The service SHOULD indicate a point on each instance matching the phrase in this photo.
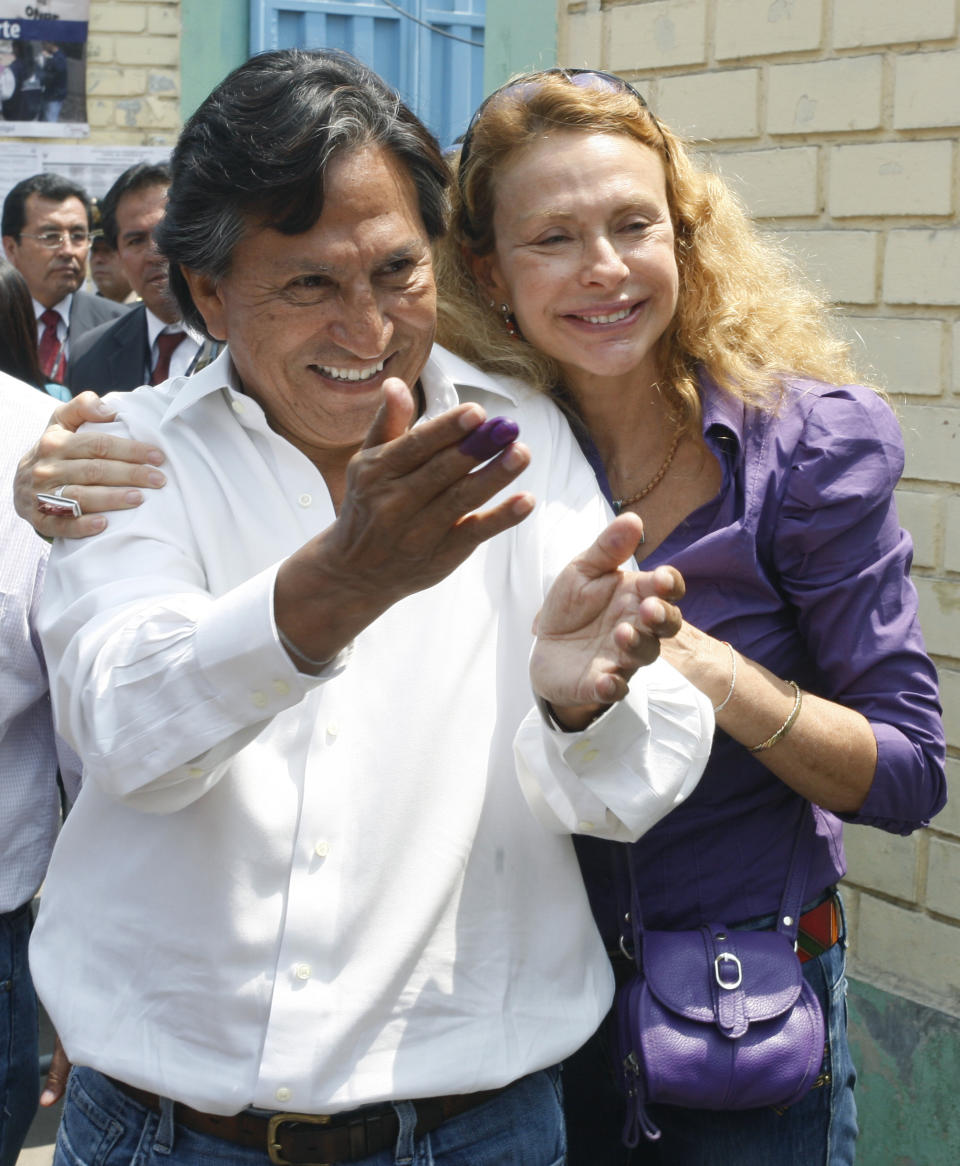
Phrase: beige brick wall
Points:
(133, 73)
(837, 123)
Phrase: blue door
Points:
(429, 50)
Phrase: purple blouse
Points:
(800, 562)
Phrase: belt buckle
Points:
(279, 1119)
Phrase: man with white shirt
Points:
(46, 236)
(312, 917)
(29, 797)
(149, 343)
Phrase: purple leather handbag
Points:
(718, 1018)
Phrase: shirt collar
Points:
(63, 307)
(721, 410)
(442, 377)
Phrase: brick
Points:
(163, 84)
(581, 39)
(147, 113)
(948, 820)
(774, 183)
(920, 516)
(922, 267)
(112, 81)
(906, 354)
(712, 105)
(891, 178)
(943, 877)
(147, 50)
(851, 909)
(650, 36)
(843, 262)
(100, 49)
(118, 17)
(751, 28)
(909, 951)
(951, 552)
(99, 113)
(926, 93)
(956, 357)
(882, 862)
(931, 436)
(824, 96)
(950, 699)
(164, 21)
(940, 617)
(858, 23)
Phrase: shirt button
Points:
(586, 827)
(237, 406)
(281, 688)
(196, 771)
(302, 971)
(305, 500)
(259, 699)
(591, 755)
(283, 1094)
(322, 848)
(332, 729)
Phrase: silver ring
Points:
(57, 505)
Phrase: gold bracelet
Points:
(733, 678)
(787, 724)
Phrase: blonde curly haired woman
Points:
(590, 255)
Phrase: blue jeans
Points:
(19, 1056)
(820, 1130)
(522, 1126)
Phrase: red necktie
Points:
(50, 350)
(167, 344)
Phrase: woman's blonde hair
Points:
(744, 311)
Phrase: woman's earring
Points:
(509, 320)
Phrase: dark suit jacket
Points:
(115, 357)
(87, 311)
(112, 358)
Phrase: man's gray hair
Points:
(256, 151)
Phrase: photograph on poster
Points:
(43, 67)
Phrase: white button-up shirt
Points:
(310, 893)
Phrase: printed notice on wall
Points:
(94, 167)
(43, 68)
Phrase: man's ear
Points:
(10, 248)
(206, 295)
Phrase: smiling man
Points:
(46, 236)
(311, 917)
(149, 343)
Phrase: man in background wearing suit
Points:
(46, 236)
(150, 343)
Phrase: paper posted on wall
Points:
(43, 68)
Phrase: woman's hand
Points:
(829, 754)
(102, 472)
(599, 624)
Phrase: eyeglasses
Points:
(526, 86)
(53, 240)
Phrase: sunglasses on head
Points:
(525, 87)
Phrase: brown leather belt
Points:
(300, 1139)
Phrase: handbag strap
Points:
(791, 902)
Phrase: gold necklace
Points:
(620, 504)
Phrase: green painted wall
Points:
(520, 35)
(215, 39)
(908, 1066)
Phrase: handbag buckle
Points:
(726, 984)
